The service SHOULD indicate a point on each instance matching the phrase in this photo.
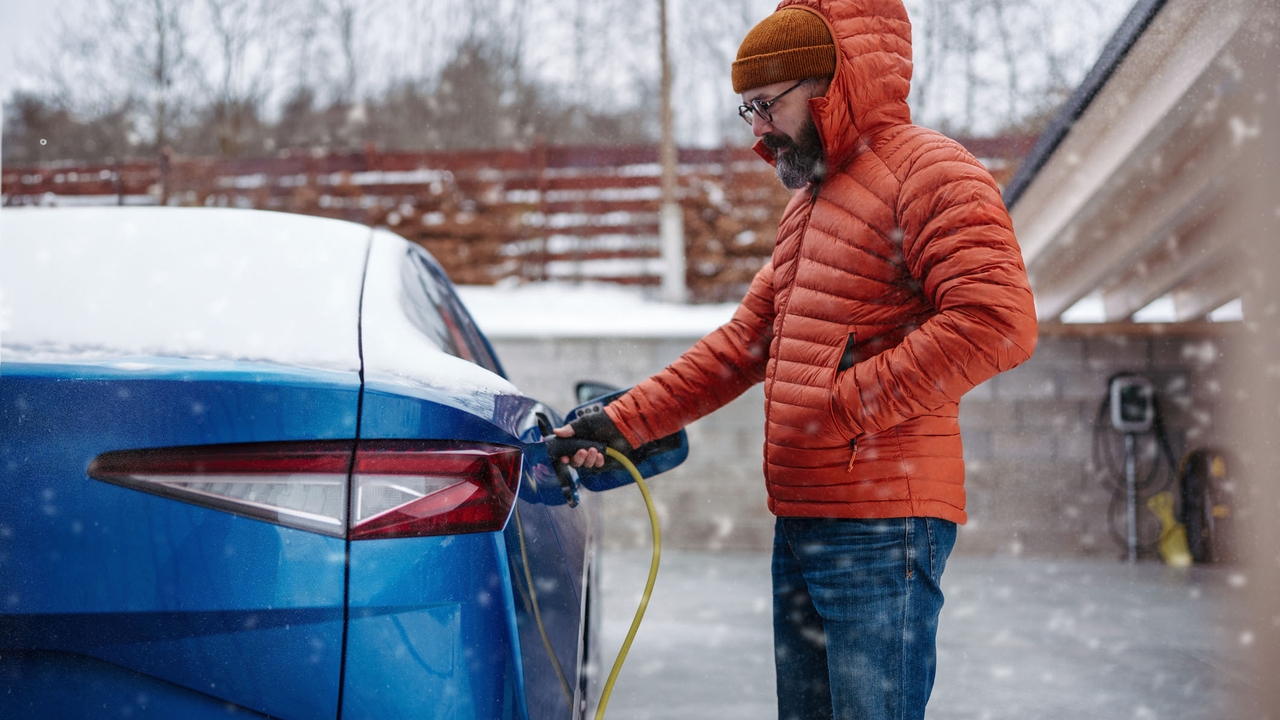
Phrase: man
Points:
(895, 287)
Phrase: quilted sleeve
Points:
(958, 243)
(719, 368)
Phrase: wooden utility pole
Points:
(670, 217)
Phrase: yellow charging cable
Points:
(648, 588)
(644, 599)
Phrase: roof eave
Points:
(1113, 54)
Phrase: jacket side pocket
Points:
(847, 360)
(846, 357)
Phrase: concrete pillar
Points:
(1255, 385)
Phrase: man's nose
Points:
(759, 126)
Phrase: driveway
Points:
(1020, 639)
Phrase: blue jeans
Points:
(855, 615)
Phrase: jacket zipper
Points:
(853, 454)
(804, 230)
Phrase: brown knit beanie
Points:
(791, 44)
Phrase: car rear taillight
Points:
(402, 488)
(302, 485)
(406, 489)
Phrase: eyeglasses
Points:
(762, 106)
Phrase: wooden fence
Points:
(570, 213)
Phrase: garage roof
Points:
(1125, 207)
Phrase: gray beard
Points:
(798, 162)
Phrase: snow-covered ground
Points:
(536, 310)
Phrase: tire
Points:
(1197, 506)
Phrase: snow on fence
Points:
(561, 213)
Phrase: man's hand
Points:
(596, 427)
(587, 457)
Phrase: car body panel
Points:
(143, 328)
(548, 593)
(479, 583)
(428, 633)
(37, 683)
(173, 590)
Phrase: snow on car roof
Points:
(562, 310)
(99, 283)
(396, 351)
(92, 283)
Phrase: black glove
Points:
(597, 427)
(589, 430)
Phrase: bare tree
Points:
(704, 51)
(965, 44)
(344, 16)
(109, 54)
(984, 65)
(929, 47)
(237, 76)
(305, 42)
(161, 59)
(246, 37)
(1010, 56)
(38, 129)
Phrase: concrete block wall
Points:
(716, 500)
(1032, 485)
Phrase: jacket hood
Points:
(873, 73)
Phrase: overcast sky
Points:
(22, 22)
(26, 27)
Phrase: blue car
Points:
(264, 465)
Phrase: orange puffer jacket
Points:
(892, 291)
